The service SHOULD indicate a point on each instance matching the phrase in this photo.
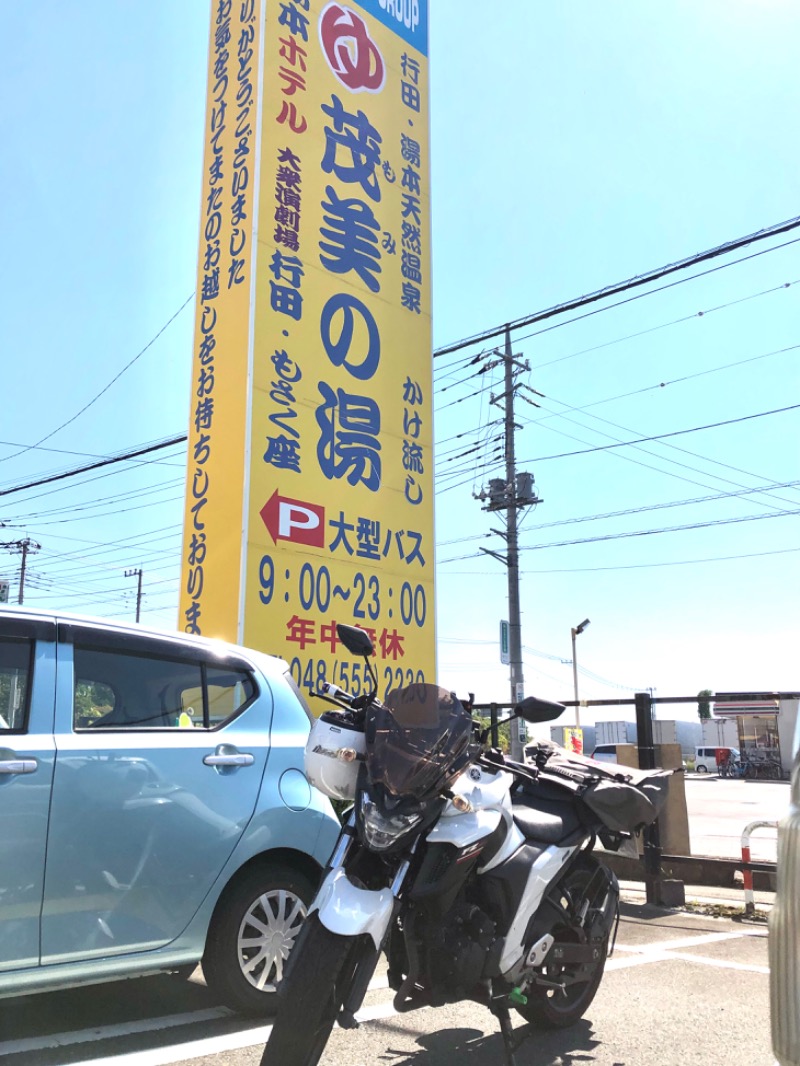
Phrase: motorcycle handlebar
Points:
(336, 693)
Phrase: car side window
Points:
(229, 691)
(16, 657)
(116, 689)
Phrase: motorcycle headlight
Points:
(381, 830)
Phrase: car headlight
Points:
(381, 830)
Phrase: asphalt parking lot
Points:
(684, 985)
(719, 809)
(680, 987)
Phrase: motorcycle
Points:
(475, 875)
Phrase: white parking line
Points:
(692, 941)
(637, 955)
(724, 964)
(669, 950)
(109, 1032)
(164, 1055)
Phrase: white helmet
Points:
(332, 756)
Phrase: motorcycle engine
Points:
(456, 951)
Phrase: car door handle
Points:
(18, 766)
(239, 758)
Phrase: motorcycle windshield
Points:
(417, 740)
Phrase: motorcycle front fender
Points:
(350, 911)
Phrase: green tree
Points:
(93, 699)
(704, 704)
(503, 732)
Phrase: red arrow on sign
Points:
(294, 520)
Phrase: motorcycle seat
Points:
(545, 821)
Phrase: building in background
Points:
(765, 724)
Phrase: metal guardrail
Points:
(748, 865)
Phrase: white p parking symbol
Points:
(294, 520)
(293, 516)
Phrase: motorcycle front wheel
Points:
(310, 995)
(550, 1007)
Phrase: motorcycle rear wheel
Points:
(549, 1007)
(309, 996)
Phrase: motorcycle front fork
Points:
(364, 966)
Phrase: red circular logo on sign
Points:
(351, 53)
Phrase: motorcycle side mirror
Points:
(356, 640)
(534, 710)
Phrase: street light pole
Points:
(575, 631)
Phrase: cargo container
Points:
(615, 733)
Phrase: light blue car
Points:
(153, 808)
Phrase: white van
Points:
(705, 759)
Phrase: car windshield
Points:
(417, 740)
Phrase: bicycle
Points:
(731, 767)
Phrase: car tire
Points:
(254, 928)
(701, 769)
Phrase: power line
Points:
(627, 566)
(455, 472)
(683, 378)
(661, 457)
(638, 533)
(618, 454)
(665, 529)
(116, 498)
(624, 286)
(662, 325)
(122, 457)
(105, 389)
(629, 511)
(664, 436)
(654, 292)
(102, 514)
(145, 552)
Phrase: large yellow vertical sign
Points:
(337, 506)
(220, 394)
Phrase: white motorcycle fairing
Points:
(489, 796)
(542, 874)
(350, 911)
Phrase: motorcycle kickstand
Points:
(510, 1042)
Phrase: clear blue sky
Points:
(573, 145)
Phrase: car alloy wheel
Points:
(254, 928)
(266, 936)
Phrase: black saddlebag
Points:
(623, 799)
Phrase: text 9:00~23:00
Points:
(315, 590)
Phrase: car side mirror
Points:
(356, 640)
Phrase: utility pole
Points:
(21, 547)
(138, 574)
(514, 622)
(512, 495)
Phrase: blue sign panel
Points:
(408, 18)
